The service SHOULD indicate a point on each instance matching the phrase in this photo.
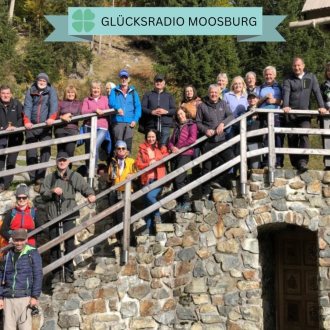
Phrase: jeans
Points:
(164, 135)
(101, 133)
(151, 198)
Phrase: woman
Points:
(97, 103)
(270, 97)
(68, 108)
(149, 153)
(222, 81)
(108, 87)
(23, 215)
(184, 134)
(190, 100)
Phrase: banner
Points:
(247, 23)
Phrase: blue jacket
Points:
(130, 104)
(23, 279)
(40, 105)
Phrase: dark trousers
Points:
(55, 252)
(68, 147)
(181, 180)
(8, 162)
(214, 162)
(122, 131)
(37, 135)
(298, 140)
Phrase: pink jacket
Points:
(90, 106)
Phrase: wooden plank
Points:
(127, 223)
(92, 150)
(271, 147)
(243, 151)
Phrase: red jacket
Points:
(17, 218)
(143, 161)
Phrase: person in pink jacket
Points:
(184, 134)
(96, 103)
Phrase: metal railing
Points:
(130, 197)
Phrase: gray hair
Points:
(213, 86)
(222, 75)
(271, 68)
(251, 73)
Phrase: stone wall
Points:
(201, 270)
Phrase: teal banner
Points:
(247, 23)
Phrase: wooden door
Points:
(297, 288)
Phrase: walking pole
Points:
(61, 232)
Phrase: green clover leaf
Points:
(84, 20)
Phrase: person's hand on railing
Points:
(99, 112)
(175, 149)
(220, 128)
(286, 109)
(210, 132)
(28, 125)
(91, 199)
(120, 112)
(50, 121)
(66, 117)
(132, 124)
(323, 111)
(10, 128)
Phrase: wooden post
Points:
(271, 147)
(92, 152)
(243, 149)
(127, 222)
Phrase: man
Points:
(125, 100)
(11, 117)
(297, 89)
(21, 282)
(158, 109)
(212, 116)
(59, 190)
(40, 106)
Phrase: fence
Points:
(130, 197)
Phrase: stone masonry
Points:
(202, 269)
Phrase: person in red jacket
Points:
(23, 215)
(149, 153)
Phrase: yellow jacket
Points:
(115, 177)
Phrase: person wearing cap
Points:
(59, 191)
(22, 215)
(40, 106)
(121, 167)
(96, 103)
(270, 97)
(158, 110)
(126, 102)
(21, 282)
(68, 108)
(11, 117)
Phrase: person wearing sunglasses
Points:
(22, 215)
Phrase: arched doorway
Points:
(289, 261)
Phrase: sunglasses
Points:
(62, 160)
(121, 148)
(22, 198)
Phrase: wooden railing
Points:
(129, 197)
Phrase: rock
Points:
(240, 213)
(228, 246)
(279, 204)
(69, 319)
(204, 253)
(165, 227)
(130, 268)
(314, 188)
(143, 323)
(182, 268)
(166, 318)
(221, 196)
(251, 245)
(160, 294)
(199, 269)
(219, 229)
(92, 283)
(277, 193)
(297, 185)
(139, 291)
(222, 208)
(94, 306)
(209, 314)
(128, 309)
(201, 299)
(185, 313)
(190, 238)
(149, 307)
(259, 195)
(187, 254)
(166, 259)
(174, 241)
(231, 298)
(143, 273)
(196, 286)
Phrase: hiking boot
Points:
(69, 278)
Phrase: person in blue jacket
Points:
(21, 282)
(40, 106)
(126, 102)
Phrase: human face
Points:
(298, 67)
(189, 93)
(181, 116)
(124, 81)
(214, 94)
(42, 83)
(252, 101)
(151, 138)
(62, 164)
(22, 201)
(250, 80)
(238, 86)
(269, 76)
(19, 244)
(159, 85)
(70, 95)
(121, 151)
(96, 90)
(108, 89)
(5, 95)
(222, 82)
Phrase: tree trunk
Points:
(11, 11)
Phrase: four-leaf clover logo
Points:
(84, 20)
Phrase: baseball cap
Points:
(62, 155)
(123, 73)
(20, 233)
(253, 94)
(43, 75)
(121, 144)
(159, 76)
(22, 189)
